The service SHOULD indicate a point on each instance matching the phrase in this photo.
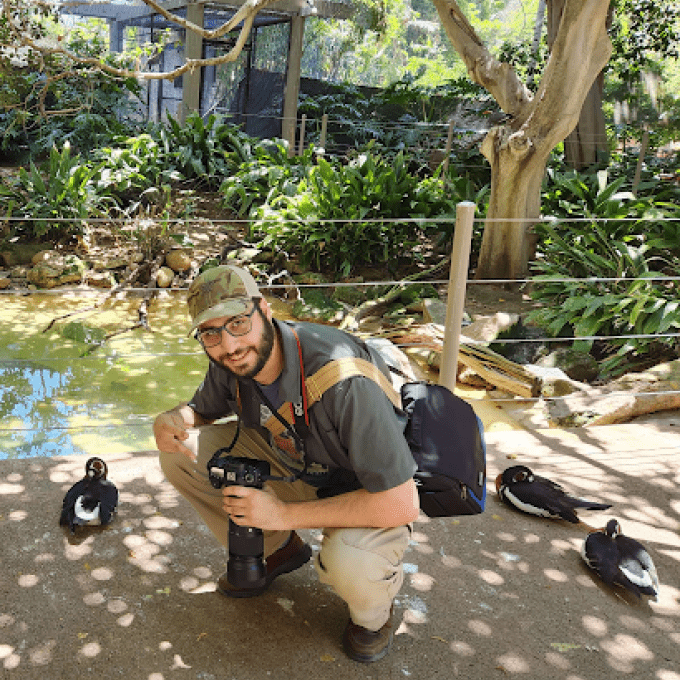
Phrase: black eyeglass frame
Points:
(217, 330)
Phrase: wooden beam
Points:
(290, 97)
(193, 49)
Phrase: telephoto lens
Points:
(246, 567)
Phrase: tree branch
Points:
(245, 14)
(498, 78)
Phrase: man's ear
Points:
(266, 308)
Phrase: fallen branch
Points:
(379, 305)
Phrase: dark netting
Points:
(249, 91)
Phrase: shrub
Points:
(628, 238)
(59, 197)
(345, 215)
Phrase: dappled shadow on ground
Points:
(498, 595)
(506, 593)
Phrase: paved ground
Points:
(500, 595)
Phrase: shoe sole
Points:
(368, 658)
(300, 560)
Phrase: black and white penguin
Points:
(520, 487)
(91, 501)
(620, 560)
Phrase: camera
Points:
(246, 567)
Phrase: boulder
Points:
(178, 260)
(44, 275)
(487, 328)
(164, 277)
(576, 364)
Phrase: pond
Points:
(61, 392)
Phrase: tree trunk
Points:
(587, 143)
(517, 169)
(518, 151)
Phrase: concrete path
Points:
(501, 595)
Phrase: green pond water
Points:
(61, 393)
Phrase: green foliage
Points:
(59, 198)
(643, 33)
(345, 215)
(50, 101)
(134, 166)
(201, 148)
(627, 238)
(265, 172)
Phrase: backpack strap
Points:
(348, 367)
(327, 376)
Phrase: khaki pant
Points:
(363, 566)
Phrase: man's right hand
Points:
(170, 430)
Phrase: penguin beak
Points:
(499, 481)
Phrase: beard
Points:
(262, 352)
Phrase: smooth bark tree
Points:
(519, 149)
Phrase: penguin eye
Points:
(520, 476)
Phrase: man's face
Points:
(246, 355)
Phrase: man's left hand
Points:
(251, 507)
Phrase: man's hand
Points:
(251, 507)
(170, 430)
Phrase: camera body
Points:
(246, 567)
(236, 471)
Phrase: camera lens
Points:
(246, 567)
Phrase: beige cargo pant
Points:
(363, 566)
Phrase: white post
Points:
(303, 123)
(324, 131)
(447, 150)
(455, 304)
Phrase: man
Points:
(355, 471)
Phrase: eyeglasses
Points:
(236, 327)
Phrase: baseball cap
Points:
(220, 291)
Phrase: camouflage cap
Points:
(221, 291)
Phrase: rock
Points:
(434, 311)
(45, 256)
(487, 328)
(576, 364)
(7, 259)
(22, 253)
(178, 260)
(243, 254)
(164, 277)
(100, 279)
(19, 272)
(5, 282)
(44, 275)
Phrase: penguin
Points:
(620, 560)
(91, 501)
(520, 487)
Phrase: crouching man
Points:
(353, 468)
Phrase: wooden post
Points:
(447, 151)
(193, 49)
(292, 90)
(638, 169)
(455, 304)
(303, 123)
(324, 131)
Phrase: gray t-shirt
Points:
(356, 435)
